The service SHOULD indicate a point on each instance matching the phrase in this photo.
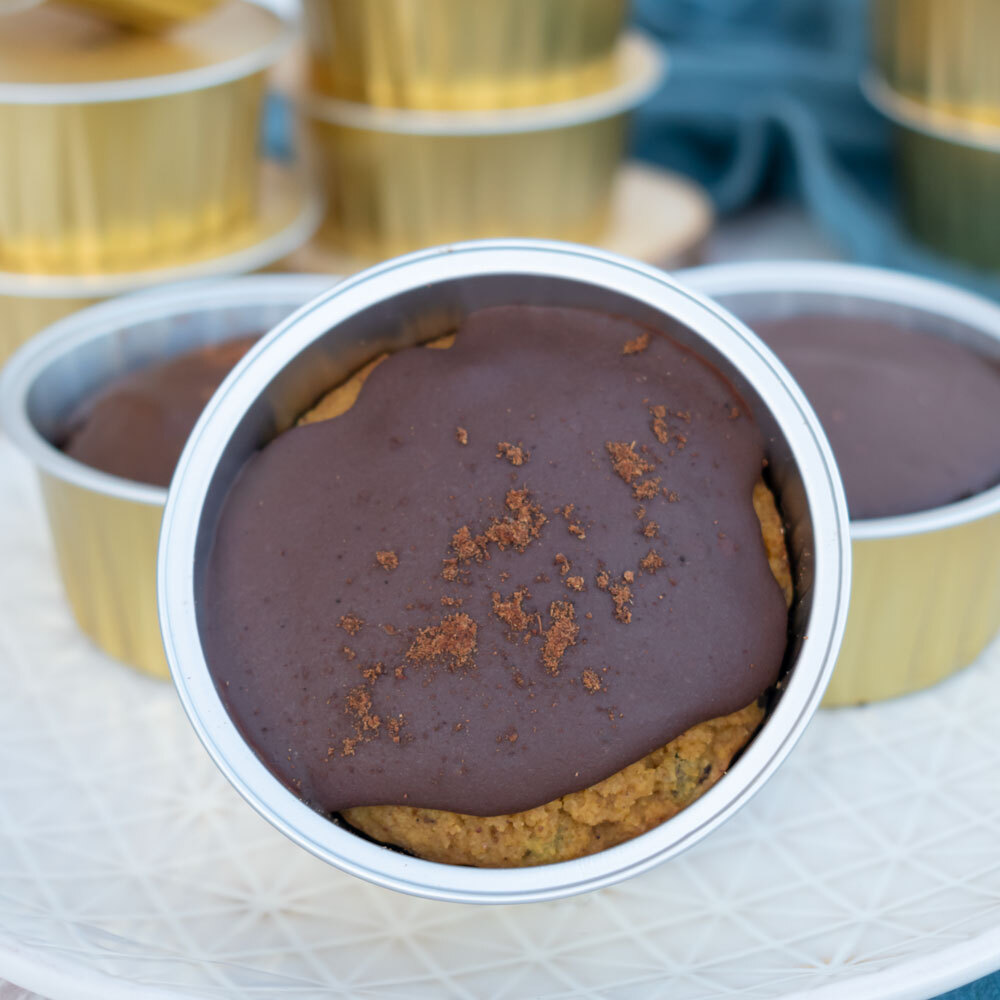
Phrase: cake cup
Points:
(148, 15)
(926, 586)
(105, 528)
(450, 55)
(121, 173)
(949, 175)
(399, 180)
(286, 217)
(414, 299)
(941, 54)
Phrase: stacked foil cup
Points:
(132, 156)
(432, 121)
(937, 78)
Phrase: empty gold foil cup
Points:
(396, 181)
(457, 55)
(124, 150)
(286, 216)
(942, 53)
(948, 171)
(147, 15)
(105, 528)
(925, 590)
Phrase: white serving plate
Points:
(869, 867)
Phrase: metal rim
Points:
(140, 88)
(30, 362)
(928, 120)
(275, 246)
(345, 850)
(876, 285)
(644, 68)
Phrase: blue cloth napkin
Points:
(762, 98)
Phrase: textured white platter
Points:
(869, 867)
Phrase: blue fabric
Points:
(762, 98)
(987, 988)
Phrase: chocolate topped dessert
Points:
(137, 426)
(911, 417)
(508, 571)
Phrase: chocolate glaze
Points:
(912, 418)
(137, 426)
(497, 730)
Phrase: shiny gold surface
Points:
(389, 193)
(922, 607)
(52, 44)
(941, 52)
(462, 54)
(106, 549)
(950, 195)
(147, 15)
(122, 185)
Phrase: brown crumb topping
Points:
(461, 435)
(651, 529)
(452, 643)
(651, 562)
(563, 563)
(621, 594)
(671, 495)
(516, 454)
(636, 344)
(591, 681)
(515, 531)
(348, 652)
(646, 489)
(575, 582)
(659, 423)
(510, 611)
(625, 461)
(603, 580)
(387, 559)
(351, 623)
(451, 602)
(560, 635)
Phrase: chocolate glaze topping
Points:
(511, 569)
(912, 418)
(137, 426)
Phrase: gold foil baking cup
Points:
(925, 591)
(147, 15)
(286, 216)
(657, 216)
(949, 176)
(399, 180)
(114, 174)
(453, 55)
(942, 53)
(105, 529)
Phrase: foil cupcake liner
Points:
(426, 293)
(147, 15)
(120, 174)
(399, 180)
(925, 596)
(105, 528)
(286, 216)
(452, 55)
(941, 54)
(949, 176)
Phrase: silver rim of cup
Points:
(31, 361)
(516, 260)
(102, 91)
(875, 286)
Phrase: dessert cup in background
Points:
(397, 180)
(148, 15)
(129, 150)
(285, 218)
(450, 55)
(926, 586)
(412, 300)
(105, 528)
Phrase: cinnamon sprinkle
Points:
(560, 635)
(659, 423)
(625, 461)
(453, 643)
(651, 562)
(637, 344)
(351, 623)
(461, 435)
(516, 454)
(387, 559)
(575, 582)
(563, 563)
(591, 681)
(646, 489)
(651, 529)
(510, 612)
